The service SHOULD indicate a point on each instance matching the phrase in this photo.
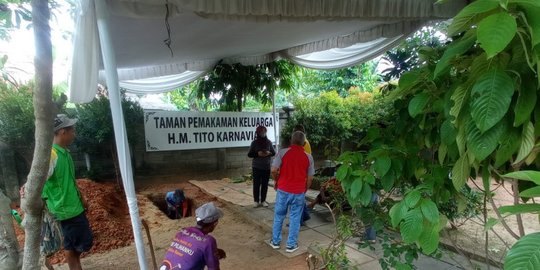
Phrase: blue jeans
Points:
(296, 203)
(370, 231)
(305, 214)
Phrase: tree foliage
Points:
(363, 78)
(231, 85)
(95, 127)
(412, 52)
(12, 14)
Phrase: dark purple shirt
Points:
(191, 249)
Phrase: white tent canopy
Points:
(321, 34)
(122, 43)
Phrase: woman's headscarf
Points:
(261, 140)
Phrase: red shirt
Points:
(295, 165)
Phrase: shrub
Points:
(331, 119)
(16, 115)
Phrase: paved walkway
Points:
(319, 230)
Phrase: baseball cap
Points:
(62, 121)
(208, 213)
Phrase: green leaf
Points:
(464, 19)
(524, 254)
(534, 3)
(442, 222)
(491, 97)
(370, 179)
(429, 210)
(387, 181)
(461, 141)
(412, 226)
(417, 104)
(461, 202)
(429, 239)
(408, 80)
(530, 193)
(482, 145)
(479, 66)
(455, 49)
(534, 22)
(527, 142)
(495, 32)
(382, 165)
(397, 213)
(458, 97)
(402, 266)
(342, 172)
(407, 83)
(356, 188)
(412, 198)
(490, 223)
(448, 133)
(365, 196)
(520, 209)
(531, 157)
(509, 145)
(441, 153)
(525, 103)
(460, 172)
(533, 176)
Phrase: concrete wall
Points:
(203, 160)
(175, 162)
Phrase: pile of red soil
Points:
(108, 215)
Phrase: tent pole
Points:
(276, 136)
(122, 146)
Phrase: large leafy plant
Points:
(525, 253)
(471, 110)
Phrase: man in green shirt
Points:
(62, 196)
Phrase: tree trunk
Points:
(239, 101)
(515, 189)
(43, 112)
(9, 247)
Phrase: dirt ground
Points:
(243, 241)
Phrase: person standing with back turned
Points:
(293, 171)
(261, 150)
(62, 196)
(307, 146)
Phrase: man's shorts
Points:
(77, 234)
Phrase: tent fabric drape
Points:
(204, 32)
(85, 58)
(160, 84)
(329, 59)
(345, 57)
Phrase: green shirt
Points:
(60, 190)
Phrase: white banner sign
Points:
(168, 130)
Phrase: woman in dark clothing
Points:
(261, 150)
